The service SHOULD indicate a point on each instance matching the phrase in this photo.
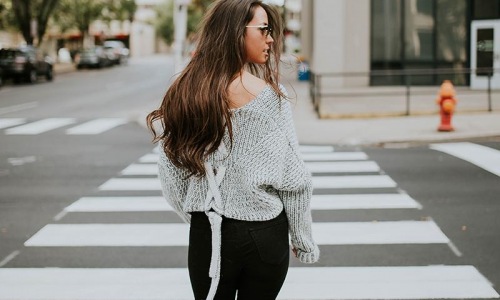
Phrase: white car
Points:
(119, 51)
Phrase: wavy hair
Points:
(195, 111)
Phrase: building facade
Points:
(374, 42)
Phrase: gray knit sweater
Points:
(254, 180)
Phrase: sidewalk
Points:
(363, 131)
(61, 68)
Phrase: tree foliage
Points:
(165, 23)
(7, 17)
(34, 15)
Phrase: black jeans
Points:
(255, 257)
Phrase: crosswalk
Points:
(70, 126)
(343, 181)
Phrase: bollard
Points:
(447, 102)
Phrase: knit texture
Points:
(263, 174)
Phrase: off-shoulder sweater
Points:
(254, 180)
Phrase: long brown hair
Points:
(195, 111)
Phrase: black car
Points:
(25, 63)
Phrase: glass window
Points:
(486, 9)
(386, 49)
(452, 39)
(419, 30)
(484, 50)
(419, 34)
(386, 30)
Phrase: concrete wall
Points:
(336, 39)
(142, 39)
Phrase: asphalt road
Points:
(449, 218)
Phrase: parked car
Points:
(119, 52)
(26, 63)
(95, 57)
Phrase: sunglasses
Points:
(265, 29)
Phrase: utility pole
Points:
(180, 30)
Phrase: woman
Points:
(230, 163)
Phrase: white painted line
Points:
(9, 122)
(131, 184)
(312, 148)
(119, 204)
(319, 202)
(140, 169)
(40, 126)
(174, 234)
(343, 167)
(413, 282)
(334, 156)
(149, 158)
(95, 284)
(318, 283)
(378, 233)
(307, 156)
(319, 182)
(363, 201)
(8, 258)
(361, 181)
(60, 215)
(484, 157)
(454, 249)
(110, 235)
(96, 126)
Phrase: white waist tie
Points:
(213, 195)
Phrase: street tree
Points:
(165, 26)
(80, 14)
(32, 17)
(7, 17)
(165, 22)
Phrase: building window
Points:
(486, 9)
(417, 34)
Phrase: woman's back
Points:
(244, 89)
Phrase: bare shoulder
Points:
(245, 88)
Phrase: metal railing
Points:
(411, 89)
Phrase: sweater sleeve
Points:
(174, 185)
(295, 191)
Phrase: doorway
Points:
(485, 54)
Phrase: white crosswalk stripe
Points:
(316, 148)
(96, 126)
(363, 201)
(314, 167)
(19, 126)
(380, 282)
(149, 158)
(306, 156)
(321, 182)
(40, 126)
(9, 122)
(321, 283)
(484, 157)
(153, 235)
(342, 167)
(119, 204)
(333, 156)
(318, 202)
